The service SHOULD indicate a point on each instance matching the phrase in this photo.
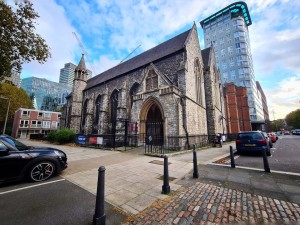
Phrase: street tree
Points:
(17, 97)
(293, 119)
(19, 43)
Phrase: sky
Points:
(110, 30)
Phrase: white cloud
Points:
(55, 28)
(284, 98)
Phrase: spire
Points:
(81, 65)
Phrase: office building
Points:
(66, 75)
(48, 94)
(227, 32)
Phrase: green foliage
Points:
(62, 136)
(52, 136)
(277, 125)
(18, 41)
(17, 98)
(293, 119)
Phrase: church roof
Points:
(206, 56)
(166, 48)
(81, 65)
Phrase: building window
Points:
(54, 125)
(47, 115)
(84, 112)
(24, 123)
(46, 124)
(132, 93)
(97, 114)
(114, 99)
(25, 113)
(40, 115)
(33, 124)
(151, 81)
(198, 77)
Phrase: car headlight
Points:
(58, 153)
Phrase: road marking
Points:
(251, 168)
(19, 189)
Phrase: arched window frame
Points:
(132, 92)
(151, 80)
(199, 80)
(114, 101)
(84, 112)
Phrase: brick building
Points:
(31, 121)
(237, 108)
(267, 126)
(161, 90)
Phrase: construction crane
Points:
(130, 54)
(84, 51)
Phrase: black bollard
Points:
(99, 216)
(195, 174)
(232, 157)
(266, 163)
(166, 186)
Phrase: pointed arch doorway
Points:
(152, 122)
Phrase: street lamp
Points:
(4, 127)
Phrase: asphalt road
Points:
(56, 201)
(285, 156)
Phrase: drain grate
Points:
(158, 162)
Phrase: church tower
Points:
(79, 84)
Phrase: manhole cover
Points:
(158, 162)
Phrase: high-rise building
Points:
(67, 74)
(227, 31)
(48, 94)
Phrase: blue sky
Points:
(111, 29)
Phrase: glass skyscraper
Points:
(48, 94)
(227, 32)
(67, 73)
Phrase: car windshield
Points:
(250, 136)
(20, 146)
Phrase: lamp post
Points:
(4, 127)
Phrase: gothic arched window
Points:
(132, 92)
(114, 99)
(198, 77)
(84, 112)
(97, 114)
(151, 81)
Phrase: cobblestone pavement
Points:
(210, 204)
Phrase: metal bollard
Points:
(266, 163)
(99, 216)
(166, 186)
(195, 174)
(232, 157)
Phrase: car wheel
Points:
(41, 171)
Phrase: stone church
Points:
(171, 90)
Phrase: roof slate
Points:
(166, 48)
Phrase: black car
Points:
(19, 161)
(252, 141)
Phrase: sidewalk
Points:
(225, 195)
(221, 194)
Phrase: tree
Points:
(293, 119)
(18, 99)
(277, 125)
(19, 43)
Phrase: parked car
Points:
(19, 161)
(252, 141)
(268, 139)
(272, 137)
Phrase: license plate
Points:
(249, 144)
